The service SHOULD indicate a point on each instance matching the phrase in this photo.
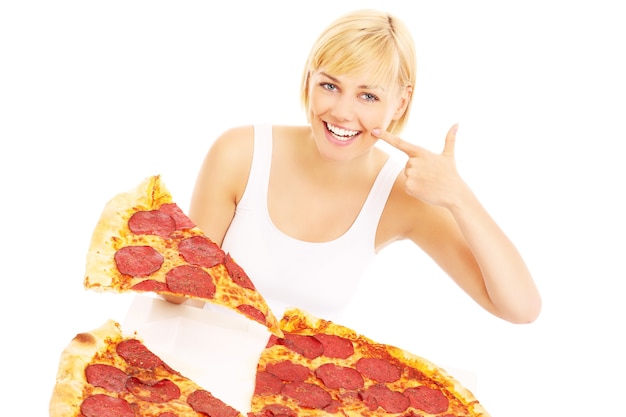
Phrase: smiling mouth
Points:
(341, 134)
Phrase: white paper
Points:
(216, 348)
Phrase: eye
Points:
(369, 97)
(328, 86)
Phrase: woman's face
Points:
(343, 110)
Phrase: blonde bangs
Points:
(376, 56)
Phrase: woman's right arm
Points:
(219, 186)
(221, 182)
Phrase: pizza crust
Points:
(100, 269)
(442, 377)
(67, 394)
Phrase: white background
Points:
(96, 96)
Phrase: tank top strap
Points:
(374, 205)
(258, 179)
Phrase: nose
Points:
(343, 108)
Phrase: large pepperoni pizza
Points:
(104, 373)
(320, 368)
(144, 242)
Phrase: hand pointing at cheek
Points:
(430, 177)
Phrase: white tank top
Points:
(320, 278)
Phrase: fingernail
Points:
(376, 132)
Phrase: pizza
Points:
(104, 373)
(319, 368)
(144, 242)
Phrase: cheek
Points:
(388, 116)
(375, 119)
(318, 103)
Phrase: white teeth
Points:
(343, 134)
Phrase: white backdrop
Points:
(96, 96)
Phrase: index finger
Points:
(397, 142)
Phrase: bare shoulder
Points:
(290, 132)
(230, 155)
(232, 142)
(229, 158)
(232, 150)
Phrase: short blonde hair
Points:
(356, 41)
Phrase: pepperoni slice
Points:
(159, 392)
(101, 405)
(335, 406)
(136, 354)
(381, 396)
(276, 410)
(378, 369)
(252, 312)
(190, 280)
(267, 384)
(180, 218)
(430, 400)
(138, 261)
(150, 285)
(336, 377)
(106, 376)
(237, 274)
(201, 251)
(307, 346)
(335, 346)
(288, 371)
(203, 402)
(307, 395)
(151, 222)
(273, 340)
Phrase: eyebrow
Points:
(366, 87)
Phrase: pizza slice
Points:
(319, 368)
(144, 242)
(104, 373)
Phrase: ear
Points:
(403, 103)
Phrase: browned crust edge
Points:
(149, 194)
(67, 393)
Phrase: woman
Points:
(304, 208)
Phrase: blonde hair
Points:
(355, 42)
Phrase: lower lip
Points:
(332, 139)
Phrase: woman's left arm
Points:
(507, 280)
(463, 238)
